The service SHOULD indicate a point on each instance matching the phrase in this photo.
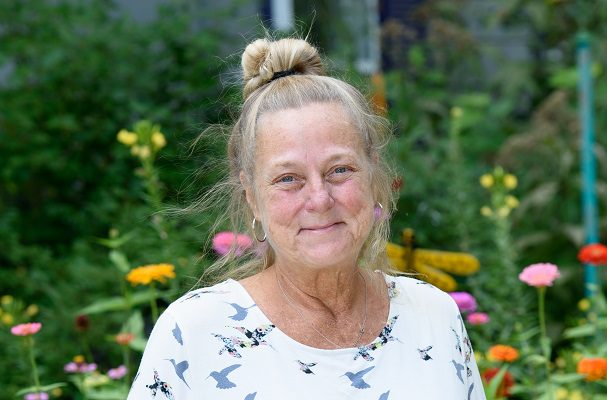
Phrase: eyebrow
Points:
(337, 156)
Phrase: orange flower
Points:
(595, 254)
(146, 274)
(124, 338)
(593, 368)
(501, 352)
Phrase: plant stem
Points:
(127, 363)
(30, 347)
(153, 304)
(544, 337)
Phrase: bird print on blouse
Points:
(384, 337)
(250, 396)
(470, 389)
(423, 353)
(392, 290)
(458, 370)
(305, 367)
(384, 396)
(222, 377)
(241, 312)
(458, 342)
(232, 344)
(161, 386)
(356, 378)
(177, 334)
(196, 294)
(180, 369)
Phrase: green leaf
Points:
(535, 359)
(567, 378)
(108, 394)
(120, 261)
(579, 331)
(47, 388)
(123, 303)
(495, 383)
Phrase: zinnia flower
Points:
(477, 318)
(124, 338)
(26, 329)
(593, 254)
(146, 274)
(36, 396)
(464, 300)
(540, 275)
(79, 367)
(223, 242)
(503, 390)
(502, 352)
(117, 373)
(593, 368)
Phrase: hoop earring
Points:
(378, 211)
(255, 234)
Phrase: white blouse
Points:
(215, 343)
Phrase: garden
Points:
(500, 161)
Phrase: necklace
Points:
(361, 331)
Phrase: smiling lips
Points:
(320, 228)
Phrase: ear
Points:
(250, 196)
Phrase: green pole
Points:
(588, 167)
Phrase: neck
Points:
(337, 292)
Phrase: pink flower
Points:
(117, 373)
(36, 396)
(464, 300)
(26, 329)
(477, 318)
(82, 368)
(223, 241)
(539, 275)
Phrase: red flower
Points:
(82, 323)
(503, 390)
(594, 254)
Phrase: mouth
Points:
(321, 228)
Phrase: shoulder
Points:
(208, 307)
(419, 295)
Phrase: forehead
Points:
(316, 130)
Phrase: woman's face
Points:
(312, 190)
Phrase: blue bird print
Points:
(384, 396)
(305, 367)
(180, 368)
(470, 391)
(222, 377)
(458, 370)
(357, 378)
(250, 396)
(164, 387)
(177, 334)
(241, 312)
(196, 293)
(423, 353)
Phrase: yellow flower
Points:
(562, 394)
(486, 211)
(57, 392)
(503, 212)
(576, 395)
(510, 181)
(457, 112)
(127, 138)
(6, 299)
(32, 310)
(79, 359)
(146, 274)
(511, 201)
(158, 140)
(583, 305)
(135, 150)
(487, 181)
(144, 152)
(7, 319)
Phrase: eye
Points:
(341, 170)
(286, 179)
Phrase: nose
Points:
(319, 197)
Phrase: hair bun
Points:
(262, 58)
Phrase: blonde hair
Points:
(301, 82)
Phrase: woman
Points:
(316, 317)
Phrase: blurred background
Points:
(474, 88)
